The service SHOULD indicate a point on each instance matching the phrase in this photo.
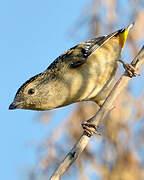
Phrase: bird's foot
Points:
(130, 69)
(90, 129)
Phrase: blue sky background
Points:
(32, 35)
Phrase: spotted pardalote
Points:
(83, 73)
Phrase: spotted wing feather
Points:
(79, 53)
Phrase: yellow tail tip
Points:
(123, 34)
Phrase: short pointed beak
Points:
(13, 106)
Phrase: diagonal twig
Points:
(98, 118)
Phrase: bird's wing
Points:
(85, 49)
(77, 55)
(95, 43)
(92, 45)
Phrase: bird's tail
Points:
(122, 33)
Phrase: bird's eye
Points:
(31, 91)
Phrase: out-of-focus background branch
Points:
(119, 153)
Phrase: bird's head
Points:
(41, 92)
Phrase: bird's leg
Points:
(130, 69)
(90, 129)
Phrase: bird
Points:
(82, 73)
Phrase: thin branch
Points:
(98, 118)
